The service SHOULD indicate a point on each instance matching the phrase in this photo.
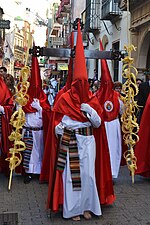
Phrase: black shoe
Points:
(27, 178)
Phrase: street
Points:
(27, 203)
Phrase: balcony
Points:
(110, 10)
(132, 4)
(63, 9)
(66, 5)
(56, 41)
(19, 48)
(91, 16)
(56, 30)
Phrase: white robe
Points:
(76, 202)
(35, 120)
(114, 138)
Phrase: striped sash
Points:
(69, 144)
(28, 139)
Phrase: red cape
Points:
(109, 100)
(103, 168)
(70, 102)
(52, 155)
(142, 148)
(50, 149)
(6, 100)
(51, 140)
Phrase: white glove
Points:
(1, 109)
(91, 114)
(59, 129)
(86, 108)
(36, 104)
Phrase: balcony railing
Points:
(56, 41)
(110, 10)
(91, 16)
(17, 47)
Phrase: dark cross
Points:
(67, 53)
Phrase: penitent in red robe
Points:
(6, 100)
(69, 104)
(142, 148)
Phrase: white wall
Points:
(121, 36)
(77, 6)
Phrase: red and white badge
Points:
(108, 106)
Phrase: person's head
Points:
(3, 71)
(97, 83)
(138, 81)
(9, 80)
(118, 86)
(96, 86)
(90, 82)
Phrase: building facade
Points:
(140, 35)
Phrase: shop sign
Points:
(62, 66)
(4, 24)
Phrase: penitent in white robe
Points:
(35, 120)
(76, 202)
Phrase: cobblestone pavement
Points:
(132, 206)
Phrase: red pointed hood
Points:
(79, 62)
(70, 73)
(69, 77)
(70, 102)
(35, 89)
(70, 68)
(35, 81)
(80, 85)
(106, 78)
(107, 97)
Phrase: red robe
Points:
(142, 148)
(49, 149)
(102, 167)
(6, 100)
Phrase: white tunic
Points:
(113, 131)
(114, 138)
(76, 202)
(35, 120)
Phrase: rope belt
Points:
(69, 144)
(33, 128)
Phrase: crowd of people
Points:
(73, 135)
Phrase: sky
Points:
(13, 9)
